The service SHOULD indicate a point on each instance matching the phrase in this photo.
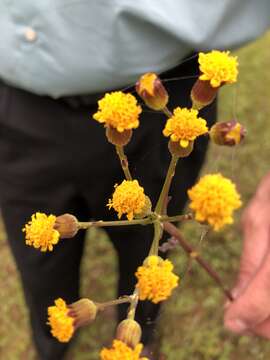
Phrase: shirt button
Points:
(30, 34)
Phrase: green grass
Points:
(192, 325)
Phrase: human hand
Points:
(250, 310)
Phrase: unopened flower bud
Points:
(151, 90)
(146, 210)
(83, 311)
(202, 94)
(67, 226)
(118, 138)
(129, 332)
(177, 150)
(227, 133)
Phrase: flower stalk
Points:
(123, 161)
(158, 231)
(166, 186)
(121, 300)
(145, 221)
(133, 304)
(167, 112)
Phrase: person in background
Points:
(57, 60)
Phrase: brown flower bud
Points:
(118, 138)
(227, 133)
(146, 210)
(129, 332)
(176, 149)
(84, 312)
(151, 90)
(202, 94)
(67, 225)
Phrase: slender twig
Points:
(176, 218)
(124, 161)
(173, 231)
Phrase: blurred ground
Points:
(192, 319)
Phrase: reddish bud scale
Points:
(202, 94)
(151, 90)
(66, 225)
(83, 311)
(228, 133)
(118, 138)
(176, 149)
(129, 332)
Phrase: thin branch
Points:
(173, 231)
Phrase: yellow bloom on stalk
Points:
(40, 232)
(156, 279)
(184, 126)
(214, 198)
(128, 198)
(218, 67)
(61, 324)
(120, 351)
(118, 110)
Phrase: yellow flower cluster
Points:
(120, 351)
(40, 232)
(128, 198)
(214, 198)
(235, 134)
(61, 324)
(184, 126)
(218, 67)
(118, 110)
(156, 279)
(147, 82)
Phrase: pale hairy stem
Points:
(133, 304)
(121, 300)
(101, 223)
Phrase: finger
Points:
(255, 227)
(252, 306)
(263, 329)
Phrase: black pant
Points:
(56, 159)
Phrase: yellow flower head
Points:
(40, 232)
(184, 126)
(156, 279)
(120, 351)
(214, 198)
(128, 198)
(218, 67)
(235, 134)
(61, 324)
(118, 110)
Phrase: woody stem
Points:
(173, 231)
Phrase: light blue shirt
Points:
(69, 47)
